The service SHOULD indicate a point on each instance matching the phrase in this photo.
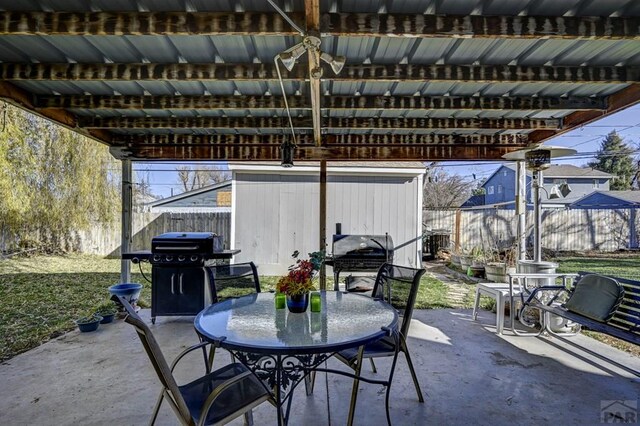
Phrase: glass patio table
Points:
(282, 348)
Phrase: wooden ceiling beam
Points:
(328, 123)
(329, 102)
(191, 123)
(313, 153)
(336, 24)
(25, 100)
(146, 23)
(616, 102)
(267, 72)
(312, 19)
(471, 26)
(308, 139)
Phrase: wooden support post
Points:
(323, 220)
(126, 231)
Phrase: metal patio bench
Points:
(605, 304)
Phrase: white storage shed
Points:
(275, 210)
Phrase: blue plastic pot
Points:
(130, 291)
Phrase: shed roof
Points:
(187, 194)
(196, 80)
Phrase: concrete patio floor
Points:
(469, 375)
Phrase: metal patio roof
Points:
(424, 80)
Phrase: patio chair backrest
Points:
(157, 359)
(399, 285)
(234, 280)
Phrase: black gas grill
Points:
(184, 248)
(179, 283)
(359, 253)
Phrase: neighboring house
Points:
(500, 187)
(208, 199)
(475, 200)
(608, 200)
(276, 210)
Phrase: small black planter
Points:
(89, 323)
(106, 318)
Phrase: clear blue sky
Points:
(586, 140)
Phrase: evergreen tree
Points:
(616, 157)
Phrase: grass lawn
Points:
(623, 265)
(41, 296)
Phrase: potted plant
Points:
(455, 258)
(89, 323)
(107, 311)
(465, 261)
(297, 284)
(477, 258)
(501, 264)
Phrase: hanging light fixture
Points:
(288, 58)
(286, 154)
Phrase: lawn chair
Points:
(397, 285)
(235, 280)
(214, 399)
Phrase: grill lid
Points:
(362, 246)
(186, 243)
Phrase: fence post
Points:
(457, 228)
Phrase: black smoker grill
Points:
(359, 253)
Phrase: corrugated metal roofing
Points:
(359, 50)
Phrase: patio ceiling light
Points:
(291, 55)
(336, 62)
(286, 154)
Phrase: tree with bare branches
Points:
(444, 190)
(200, 176)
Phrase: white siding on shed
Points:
(276, 213)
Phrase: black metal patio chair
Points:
(227, 281)
(213, 399)
(234, 280)
(397, 285)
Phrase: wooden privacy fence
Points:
(105, 240)
(562, 230)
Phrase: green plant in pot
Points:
(477, 257)
(107, 311)
(89, 322)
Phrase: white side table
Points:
(498, 291)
